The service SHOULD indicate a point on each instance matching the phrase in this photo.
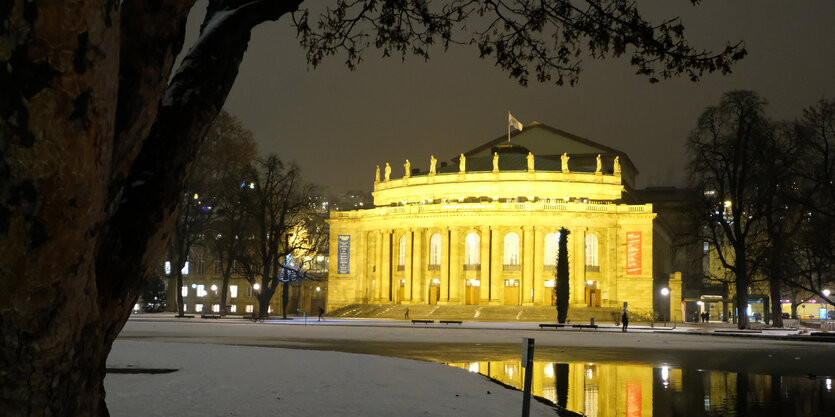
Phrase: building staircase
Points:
(479, 313)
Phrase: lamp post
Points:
(665, 292)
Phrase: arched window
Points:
(591, 250)
(435, 250)
(472, 250)
(552, 242)
(511, 249)
(401, 258)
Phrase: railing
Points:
(455, 206)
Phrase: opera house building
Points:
(483, 228)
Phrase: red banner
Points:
(633, 398)
(633, 253)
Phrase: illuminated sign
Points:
(633, 253)
(344, 254)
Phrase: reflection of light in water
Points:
(509, 371)
(473, 367)
(707, 403)
(665, 375)
(828, 384)
(549, 371)
(589, 373)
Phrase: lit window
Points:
(184, 291)
(402, 253)
(185, 269)
(233, 291)
(249, 308)
(472, 249)
(185, 308)
(435, 249)
(591, 250)
(233, 308)
(167, 268)
(511, 249)
(552, 241)
(216, 308)
(198, 308)
(201, 290)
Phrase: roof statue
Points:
(616, 168)
(599, 165)
(388, 171)
(377, 175)
(565, 162)
(408, 167)
(530, 161)
(462, 163)
(432, 163)
(495, 162)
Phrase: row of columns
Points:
(382, 281)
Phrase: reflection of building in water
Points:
(484, 230)
(618, 390)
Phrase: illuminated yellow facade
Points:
(484, 230)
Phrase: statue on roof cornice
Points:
(388, 171)
(432, 163)
(495, 162)
(530, 161)
(408, 167)
(462, 164)
(565, 158)
(599, 165)
(377, 175)
(616, 168)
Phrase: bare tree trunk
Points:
(181, 307)
(742, 281)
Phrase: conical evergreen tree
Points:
(561, 288)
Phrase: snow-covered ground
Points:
(217, 380)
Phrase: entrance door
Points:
(434, 294)
(511, 292)
(593, 297)
(471, 296)
(402, 292)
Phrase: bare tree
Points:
(724, 167)
(286, 230)
(100, 133)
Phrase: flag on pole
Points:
(512, 122)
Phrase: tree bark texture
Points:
(96, 148)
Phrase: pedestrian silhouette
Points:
(625, 320)
(406, 316)
(321, 311)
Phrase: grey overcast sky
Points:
(337, 124)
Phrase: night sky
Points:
(337, 124)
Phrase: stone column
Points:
(675, 297)
(484, 255)
(376, 290)
(445, 266)
(385, 280)
(540, 296)
(496, 262)
(527, 265)
(361, 265)
(455, 265)
(417, 290)
(578, 268)
(407, 272)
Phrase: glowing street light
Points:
(665, 291)
(826, 293)
(256, 287)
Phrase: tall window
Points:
(435, 250)
(591, 250)
(233, 291)
(552, 241)
(472, 249)
(511, 249)
(401, 257)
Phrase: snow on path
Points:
(216, 380)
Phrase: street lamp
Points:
(665, 292)
(826, 293)
(256, 287)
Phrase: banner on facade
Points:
(633, 253)
(343, 243)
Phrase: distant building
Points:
(485, 230)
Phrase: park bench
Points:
(554, 325)
(185, 316)
(210, 316)
(584, 326)
(450, 321)
(416, 321)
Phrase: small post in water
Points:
(527, 363)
